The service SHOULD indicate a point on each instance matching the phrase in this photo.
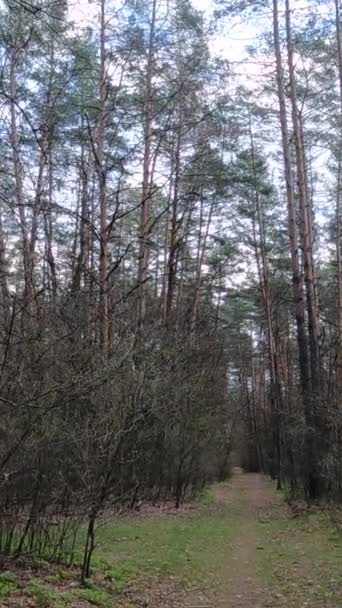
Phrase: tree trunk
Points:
(19, 186)
(297, 282)
(311, 465)
(102, 179)
(266, 293)
(339, 215)
(305, 219)
(144, 229)
(174, 232)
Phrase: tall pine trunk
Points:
(339, 213)
(310, 473)
(306, 233)
(102, 184)
(145, 206)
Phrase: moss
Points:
(66, 575)
(96, 596)
(43, 596)
(8, 584)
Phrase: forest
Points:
(170, 258)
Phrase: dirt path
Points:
(253, 496)
(263, 555)
(251, 500)
(240, 548)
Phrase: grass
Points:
(43, 596)
(47, 596)
(306, 558)
(8, 585)
(96, 597)
(191, 546)
(185, 546)
(298, 560)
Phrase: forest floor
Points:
(240, 547)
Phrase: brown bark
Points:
(305, 217)
(102, 179)
(5, 294)
(202, 247)
(311, 475)
(144, 229)
(82, 266)
(19, 184)
(297, 282)
(339, 214)
(166, 245)
(48, 227)
(174, 233)
(266, 293)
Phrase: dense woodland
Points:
(170, 258)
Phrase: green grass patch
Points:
(7, 585)
(298, 560)
(306, 558)
(47, 596)
(96, 597)
(193, 546)
(44, 596)
(189, 546)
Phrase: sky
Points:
(233, 36)
(232, 47)
(230, 42)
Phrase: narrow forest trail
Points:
(252, 496)
(241, 546)
(264, 556)
(234, 564)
